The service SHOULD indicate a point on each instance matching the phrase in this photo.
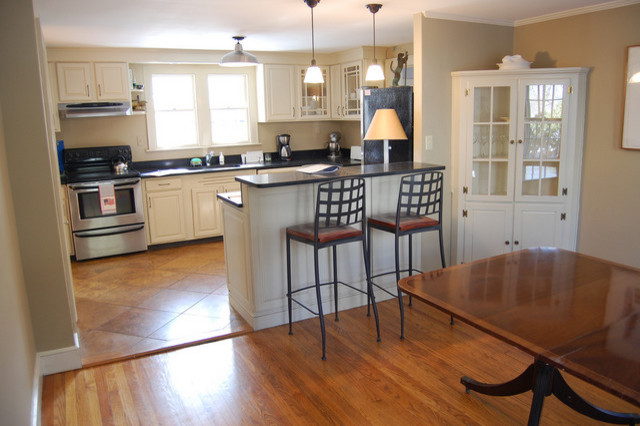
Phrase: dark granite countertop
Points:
(180, 166)
(369, 170)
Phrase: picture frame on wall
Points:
(631, 112)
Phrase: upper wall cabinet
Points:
(346, 80)
(286, 97)
(85, 81)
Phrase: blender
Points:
(284, 150)
(334, 144)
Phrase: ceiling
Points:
(269, 25)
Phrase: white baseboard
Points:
(59, 360)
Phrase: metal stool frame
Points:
(419, 198)
(340, 207)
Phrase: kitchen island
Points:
(254, 241)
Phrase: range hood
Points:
(94, 109)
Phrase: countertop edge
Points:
(368, 170)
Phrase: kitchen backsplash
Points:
(132, 130)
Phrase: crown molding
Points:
(578, 11)
(452, 17)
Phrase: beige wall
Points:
(440, 47)
(131, 130)
(610, 204)
(31, 181)
(17, 351)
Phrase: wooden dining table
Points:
(572, 312)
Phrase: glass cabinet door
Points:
(493, 128)
(540, 150)
(314, 100)
(351, 75)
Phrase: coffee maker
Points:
(284, 149)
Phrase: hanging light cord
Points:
(375, 61)
(313, 43)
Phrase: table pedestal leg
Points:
(544, 380)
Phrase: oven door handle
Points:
(92, 187)
(109, 231)
(87, 189)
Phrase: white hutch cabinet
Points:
(518, 139)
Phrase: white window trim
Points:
(201, 71)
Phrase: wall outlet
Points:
(428, 142)
(140, 141)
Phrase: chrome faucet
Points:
(208, 157)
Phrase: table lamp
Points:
(384, 126)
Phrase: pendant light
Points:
(313, 73)
(238, 58)
(374, 73)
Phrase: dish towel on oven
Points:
(107, 198)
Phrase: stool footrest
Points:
(290, 295)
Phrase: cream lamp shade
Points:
(385, 126)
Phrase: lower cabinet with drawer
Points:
(165, 210)
(186, 207)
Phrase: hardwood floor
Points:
(146, 302)
(269, 377)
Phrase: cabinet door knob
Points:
(516, 242)
(99, 90)
(519, 140)
(87, 90)
(512, 142)
(506, 243)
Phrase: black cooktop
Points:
(97, 163)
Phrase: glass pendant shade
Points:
(374, 72)
(313, 74)
(238, 58)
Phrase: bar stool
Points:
(339, 219)
(419, 200)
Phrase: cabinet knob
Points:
(506, 243)
(512, 141)
(519, 140)
(516, 242)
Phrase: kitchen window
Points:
(200, 106)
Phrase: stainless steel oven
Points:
(99, 232)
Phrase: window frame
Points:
(203, 117)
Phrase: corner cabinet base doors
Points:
(518, 136)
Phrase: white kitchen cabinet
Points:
(277, 92)
(518, 136)
(86, 81)
(186, 207)
(112, 80)
(165, 210)
(346, 81)
(284, 96)
(207, 213)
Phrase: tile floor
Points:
(142, 303)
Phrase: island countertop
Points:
(365, 170)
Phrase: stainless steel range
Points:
(105, 201)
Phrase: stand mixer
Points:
(334, 144)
